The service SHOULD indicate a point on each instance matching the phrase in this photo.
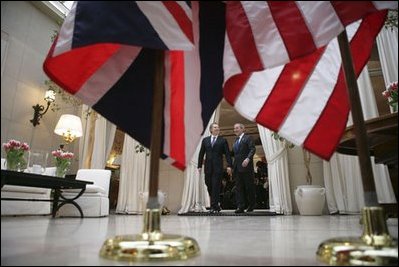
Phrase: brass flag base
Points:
(374, 247)
(151, 244)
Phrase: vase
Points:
(394, 107)
(310, 199)
(15, 163)
(61, 171)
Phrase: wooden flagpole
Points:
(152, 244)
(366, 170)
(156, 130)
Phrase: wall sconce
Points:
(38, 114)
(70, 127)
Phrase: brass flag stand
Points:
(152, 244)
(375, 246)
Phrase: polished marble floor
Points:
(224, 240)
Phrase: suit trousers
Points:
(213, 182)
(245, 189)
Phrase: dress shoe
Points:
(250, 209)
(217, 209)
(239, 210)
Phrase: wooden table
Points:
(382, 133)
(44, 181)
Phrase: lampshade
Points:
(69, 126)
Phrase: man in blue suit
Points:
(243, 169)
(213, 147)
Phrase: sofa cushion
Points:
(25, 189)
(90, 189)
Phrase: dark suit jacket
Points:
(246, 149)
(214, 155)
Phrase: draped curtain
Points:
(97, 141)
(277, 160)
(342, 177)
(133, 179)
(387, 43)
(195, 195)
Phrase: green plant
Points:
(391, 21)
(65, 96)
(140, 148)
(276, 136)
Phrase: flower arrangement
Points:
(15, 151)
(391, 94)
(62, 161)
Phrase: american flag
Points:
(103, 55)
(305, 100)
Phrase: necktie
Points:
(213, 140)
(236, 144)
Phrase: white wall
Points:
(298, 171)
(26, 31)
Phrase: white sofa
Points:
(11, 207)
(95, 201)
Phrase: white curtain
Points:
(96, 143)
(342, 177)
(134, 177)
(84, 142)
(387, 43)
(104, 134)
(277, 160)
(195, 194)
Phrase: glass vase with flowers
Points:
(62, 161)
(15, 155)
(391, 94)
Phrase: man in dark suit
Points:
(213, 147)
(243, 169)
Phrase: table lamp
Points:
(69, 127)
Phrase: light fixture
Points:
(70, 127)
(38, 114)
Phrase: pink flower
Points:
(391, 93)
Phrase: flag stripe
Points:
(268, 40)
(246, 52)
(313, 98)
(166, 114)
(71, 70)
(289, 85)
(193, 107)
(64, 39)
(257, 90)
(234, 86)
(181, 18)
(157, 15)
(338, 106)
(107, 74)
(321, 19)
(286, 14)
(177, 138)
(350, 11)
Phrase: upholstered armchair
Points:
(95, 201)
(11, 207)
